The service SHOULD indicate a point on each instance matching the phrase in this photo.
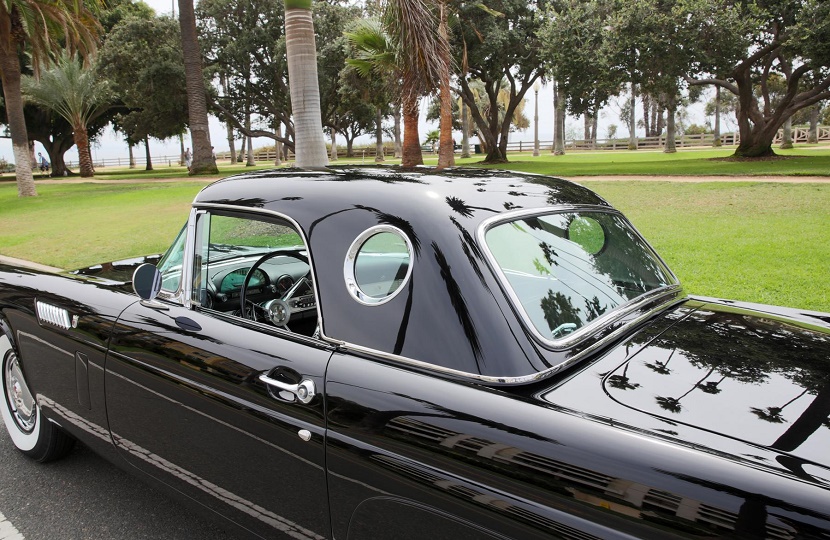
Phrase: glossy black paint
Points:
(707, 419)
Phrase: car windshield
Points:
(568, 269)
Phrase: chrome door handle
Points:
(304, 391)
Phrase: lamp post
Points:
(536, 87)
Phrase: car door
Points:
(187, 403)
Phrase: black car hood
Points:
(117, 271)
(759, 377)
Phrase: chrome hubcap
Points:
(20, 400)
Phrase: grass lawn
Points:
(760, 242)
(75, 225)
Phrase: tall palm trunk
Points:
(203, 162)
(84, 155)
(309, 143)
(411, 144)
(333, 155)
(446, 149)
(10, 74)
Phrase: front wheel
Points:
(32, 434)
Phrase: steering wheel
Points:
(282, 310)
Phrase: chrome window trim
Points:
(182, 296)
(203, 207)
(352, 286)
(587, 330)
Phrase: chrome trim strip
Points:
(585, 331)
(248, 210)
(351, 258)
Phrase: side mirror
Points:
(147, 281)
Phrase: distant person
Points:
(188, 158)
(44, 165)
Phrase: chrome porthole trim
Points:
(349, 277)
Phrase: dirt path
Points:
(770, 179)
(621, 178)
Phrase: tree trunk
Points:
(250, 161)
(278, 146)
(130, 151)
(84, 157)
(203, 162)
(231, 143)
(411, 141)
(378, 135)
(349, 147)
(446, 146)
(465, 131)
(182, 159)
(238, 157)
(397, 129)
(671, 128)
(647, 114)
(10, 75)
(787, 138)
(309, 143)
(632, 122)
(586, 128)
(333, 156)
(812, 136)
(149, 166)
(558, 121)
(716, 141)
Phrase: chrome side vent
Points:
(49, 314)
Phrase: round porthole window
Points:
(378, 264)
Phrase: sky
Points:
(111, 146)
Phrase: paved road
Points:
(84, 497)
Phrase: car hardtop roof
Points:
(472, 193)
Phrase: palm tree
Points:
(75, 93)
(38, 27)
(423, 58)
(301, 51)
(203, 162)
(405, 49)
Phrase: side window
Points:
(170, 266)
(378, 264)
(255, 268)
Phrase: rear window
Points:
(566, 270)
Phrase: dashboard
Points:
(277, 278)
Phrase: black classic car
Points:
(378, 353)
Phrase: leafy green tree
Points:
(77, 94)
(578, 55)
(741, 44)
(498, 42)
(203, 162)
(152, 94)
(37, 28)
(244, 45)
